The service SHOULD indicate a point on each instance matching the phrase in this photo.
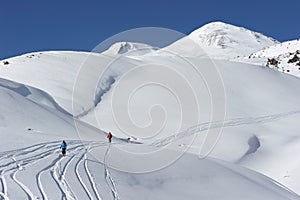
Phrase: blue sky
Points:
(36, 25)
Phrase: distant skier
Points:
(63, 147)
(109, 136)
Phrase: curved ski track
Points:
(54, 173)
(56, 177)
(108, 178)
(222, 124)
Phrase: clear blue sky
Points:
(36, 25)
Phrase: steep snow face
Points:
(223, 41)
(37, 96)
(44, 70)
(284, 57)
(30, 116)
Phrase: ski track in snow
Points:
(39, 177)
(3, 184)
(92, 182)
(15, 163)
(3, 187)
(22, 186)
(108, 178)
(21, 160)
(222, 124)
(3, 196)
(80, 179)
(59, 173)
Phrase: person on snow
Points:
(63, 147)
(109, 136)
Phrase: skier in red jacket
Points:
(109, 136)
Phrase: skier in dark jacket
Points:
(109, 136)
(63, 147)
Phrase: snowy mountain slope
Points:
(184, 180)
(283, 57)
(43, 70)
(33, 168)
(269, 98)
(259, 131)
(242, 104)
(275, 50)
(38, 96)
(254, 112)
(38, 171)
(31, 114)
(223, 41)
(129, 48)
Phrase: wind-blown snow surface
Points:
(259, 131)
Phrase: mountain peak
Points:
(218, 24)
(222, 40)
